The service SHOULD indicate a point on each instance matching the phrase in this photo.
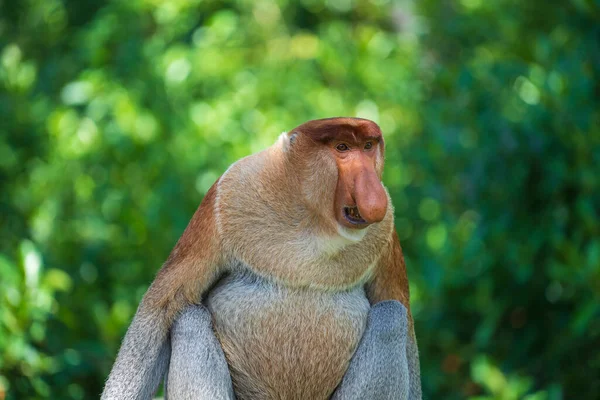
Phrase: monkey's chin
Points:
(353, 235)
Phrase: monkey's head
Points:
(311, 209)
(340, 162)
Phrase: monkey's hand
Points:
(386, 362)
(198, 369)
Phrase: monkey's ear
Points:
(287, 140)
(293, 138)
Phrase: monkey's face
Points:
(360, 199)
(344, 180)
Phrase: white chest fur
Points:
(276, 337)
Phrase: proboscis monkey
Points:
(293, 253)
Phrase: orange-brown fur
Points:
(271, 227)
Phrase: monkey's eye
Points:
(368, 145)
(342, 147)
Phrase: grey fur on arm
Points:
(198, 369)
(141, 363)
(386, 364)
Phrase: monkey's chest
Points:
(283, 343)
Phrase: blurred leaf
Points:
(117, 117)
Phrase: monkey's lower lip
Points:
(353, 216)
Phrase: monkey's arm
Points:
(198, 369)
(390, 321)
(191, 268)
(379, 368)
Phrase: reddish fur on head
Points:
(360, 198)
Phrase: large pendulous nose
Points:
(370, 196)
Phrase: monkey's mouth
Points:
(353, 216)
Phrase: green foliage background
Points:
(117, 116)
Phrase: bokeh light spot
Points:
(429, 209)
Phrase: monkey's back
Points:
(285, 343)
